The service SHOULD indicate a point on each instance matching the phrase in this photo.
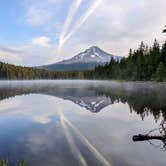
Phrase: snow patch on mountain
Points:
(83, 61)
(92, 55)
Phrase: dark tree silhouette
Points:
(143, 64)
(9, 71)
(150, 136)
(164, 31)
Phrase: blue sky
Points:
(36, 32)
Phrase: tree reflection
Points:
(154, 134)
(144, 99)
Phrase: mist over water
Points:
(81, 122)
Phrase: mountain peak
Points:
(93, 54)
(94, 47)
(85, 60)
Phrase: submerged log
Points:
(141, 137)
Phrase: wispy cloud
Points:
(36, 16)
(66, 123)
(74, 149)
(115, 26)
(119, 25)
(72, 11)
(10, 55)
(10, 105)
(43, 119)
(79, 23)
(42, 41)
(82, 19)
(39, 12)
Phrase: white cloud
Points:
(42, 41)
(115, 26)
(10, 55)
(39, 12)
(36, 16)
(118, 25)
(81, 21)
(7, 105)
(72, 11)
(43, 119)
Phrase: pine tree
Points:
(160, 74)
(163, 53)
(164, 31)
(141, 64)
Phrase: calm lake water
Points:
(71, 123)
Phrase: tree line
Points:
(143, 64)
(8, 71)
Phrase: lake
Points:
(71, 123)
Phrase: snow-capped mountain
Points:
(94, 104)
(83, 61)
(85, 98)
(93, 54)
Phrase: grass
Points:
(5, 162)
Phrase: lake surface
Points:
(71, 123)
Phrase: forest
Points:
(12, 72)
(143, 64)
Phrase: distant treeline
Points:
(8, 71)
(144, 64)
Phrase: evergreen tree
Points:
(164, 31)
(142, 64)
(145, 63)
(160, 74)
(163, 53)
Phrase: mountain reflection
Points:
(143, 98)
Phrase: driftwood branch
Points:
(141, 137)
(149, 136)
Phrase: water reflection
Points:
(51, 123)
(154, 134)
(143, 98)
